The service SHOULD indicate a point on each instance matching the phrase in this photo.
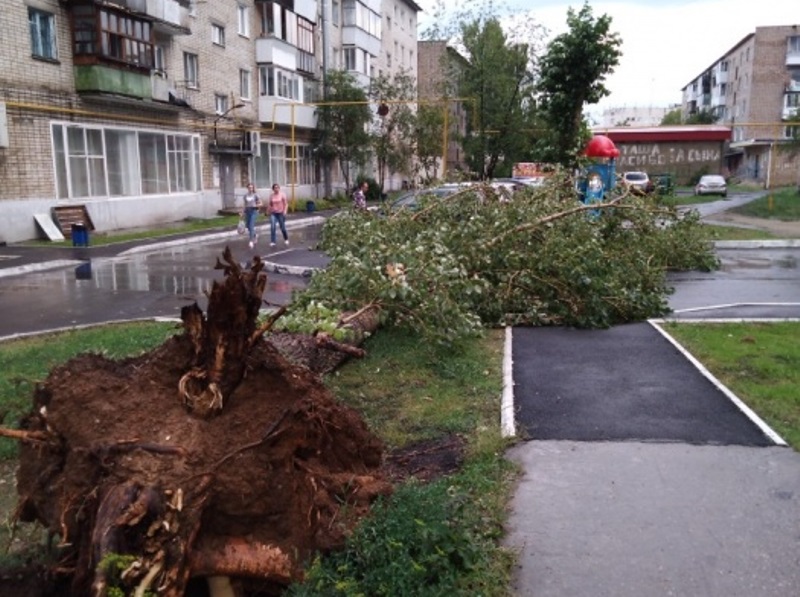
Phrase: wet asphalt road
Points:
(137, 284)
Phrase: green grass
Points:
(780, 204)
(759, 362)
(27, 361)
(715, 232)
(428, 539)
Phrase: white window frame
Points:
(86, 164)
(217, 34)
(191, 70)
(245, 84)
(220, 103)
(42, 27)
(243, 20)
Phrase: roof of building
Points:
(699, 132)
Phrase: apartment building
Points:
(439, 65)
(149, 111)
(754, 88)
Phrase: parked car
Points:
(638, 182)
(410, 200)
(711, 184)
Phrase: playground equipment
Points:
(599, 176)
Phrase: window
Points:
(43, 34)
(349, 58)
(244, 84)
(96, 161)
(388, 23)
(388, 60)
(277, 164)
(277, 20)
(190, 70)
(220, 103)
(125, 38)
(335, 10)
(243, 21)
(793, 43)
(356, 14)
(111, 36)
(791, 132)
(160, 59)
(277, 82)
(218, 34)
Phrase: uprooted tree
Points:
(211, 456)
(220, 454)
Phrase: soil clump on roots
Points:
(212, 456)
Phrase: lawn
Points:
(780, 204)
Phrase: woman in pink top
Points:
(277, 206)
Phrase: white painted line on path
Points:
(748, 412)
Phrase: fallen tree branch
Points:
(267, 325)
(32, 437)
(324, 340)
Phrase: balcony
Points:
(171, 16)
(355, 36)
(277, 111)
(273, 50)
(98, 78)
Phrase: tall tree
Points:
(393, 128)
(429, 135)
(344, 118)
(499, 78)
(572, 74)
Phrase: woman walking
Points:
(278, 206)
(250, 209)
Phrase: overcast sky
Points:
(665, 43)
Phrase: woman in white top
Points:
(252, 205)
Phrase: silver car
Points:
(711, 184)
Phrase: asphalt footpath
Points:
(642, 475)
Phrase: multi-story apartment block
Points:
(148, 111)
(636, 116)
(754, 88)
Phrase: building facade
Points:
(152, 111)
(754, 88)
(439, 65)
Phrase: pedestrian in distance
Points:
(251, 206)
(277, 206)
(360, 196)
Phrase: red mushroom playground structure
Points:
(599, 176)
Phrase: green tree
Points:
(393, 132)
(703, 116)
(344, 118)
(499, 78)
(572, 75)
(672, 117)
(429, 135)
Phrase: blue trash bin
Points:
(80, 235)
(310, 206)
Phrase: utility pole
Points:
(325, 160)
